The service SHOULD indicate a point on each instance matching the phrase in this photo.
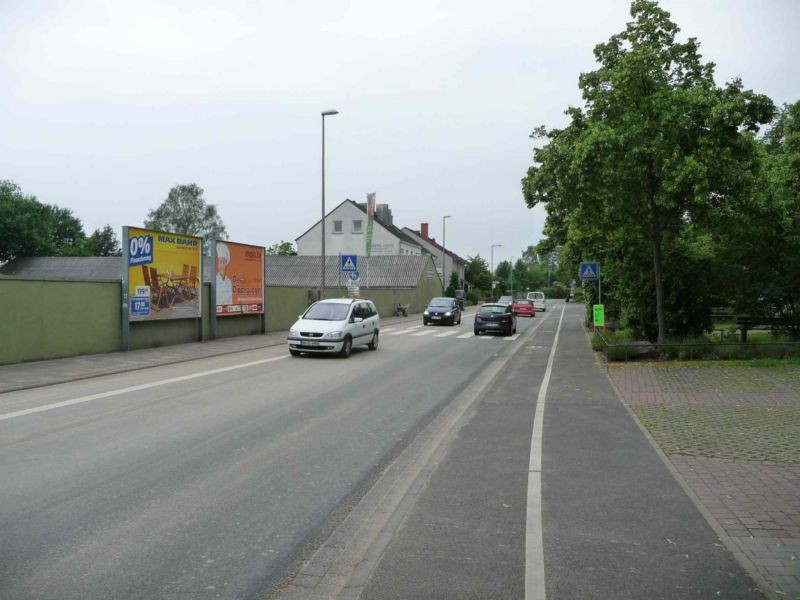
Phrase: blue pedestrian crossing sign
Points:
(590, 271)
(349, 262)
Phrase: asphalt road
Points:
(208, 479)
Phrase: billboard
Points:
(238, 279)
(163, 274)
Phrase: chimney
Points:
(423, 230)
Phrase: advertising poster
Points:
(164, 274)
(239, 279)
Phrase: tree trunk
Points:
(655, 234)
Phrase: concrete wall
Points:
(49, 319)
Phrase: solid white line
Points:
(446, 333)
(534, 545)
(133, 388)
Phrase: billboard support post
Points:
(126, 319)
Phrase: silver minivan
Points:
(539, 301)
(334, 326)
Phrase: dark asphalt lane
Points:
(209, 487)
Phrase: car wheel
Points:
(515, 330)
(476, 332)
(424, 322)
(294, 352)
(373, 345)
(347, 348)
(459, 319)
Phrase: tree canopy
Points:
(186, 211)
(639, 177)
(282, 248)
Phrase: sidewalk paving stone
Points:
(733, 435)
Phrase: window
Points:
(357, 225)
(337, 227)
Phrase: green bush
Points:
(472, 297)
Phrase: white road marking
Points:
(534, 545)
(133, 388)
(421, 333)
(511, 338)
(388, 329)
(447, 333)
(403, 331)
(464, 336)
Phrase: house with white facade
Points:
(453, 263)
(346, 233)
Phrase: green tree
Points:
(477, 273)
(282, 249)
(657, 150)
(24, 224)
(31, 228)
(186, 211)
(104, 242)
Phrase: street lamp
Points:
(492, 265)
(443, 252)
(325, 113)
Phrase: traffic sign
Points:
(599, 315)
(590, 271)
(354, 276)
(349, 262)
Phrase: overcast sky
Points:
(104, 106)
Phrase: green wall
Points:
(42, 319)
(50, 319)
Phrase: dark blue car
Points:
(442, 310)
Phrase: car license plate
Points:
(491, 324)
(310, 343)
(436, 318)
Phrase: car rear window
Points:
(525, 302)
(487, 311)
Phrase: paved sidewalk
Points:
(48, 372)
(733, 434)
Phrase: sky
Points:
(104, 106)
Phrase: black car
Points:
(496, 317)
(442, 310)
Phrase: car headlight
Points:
(294, 332)
(332, 335)
(426, 313)
(448, 314)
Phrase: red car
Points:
(524, 307)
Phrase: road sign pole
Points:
(599, 286)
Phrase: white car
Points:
(334, 326)
(539, 301)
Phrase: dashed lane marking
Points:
(421, 333)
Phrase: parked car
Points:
(442, 310)
(539, 301)
(524, 307)
(505, 300)
(334, 326)
(495, 317)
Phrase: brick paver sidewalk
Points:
(733, 434)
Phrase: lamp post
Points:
(325, 113)
(444, 260)
(491, 265)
